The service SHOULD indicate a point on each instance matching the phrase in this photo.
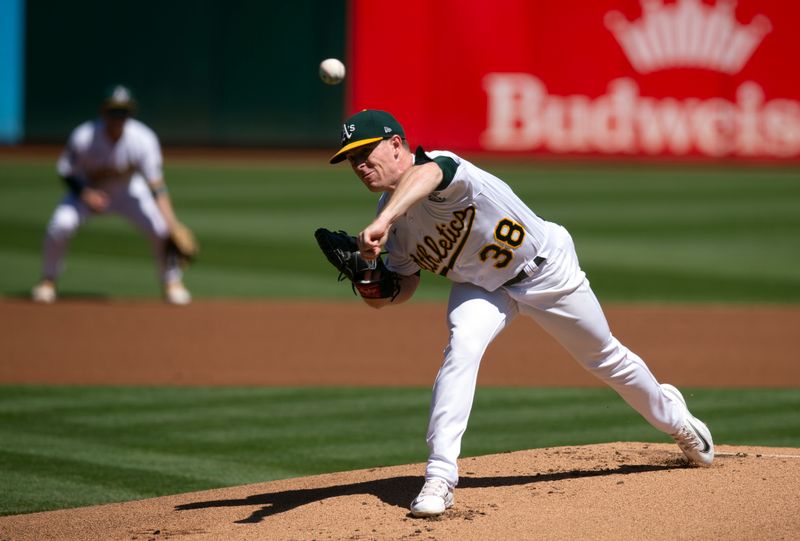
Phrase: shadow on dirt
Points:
(74, 295)
(398, 491)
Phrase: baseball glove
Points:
(370, 278)
(182, 245)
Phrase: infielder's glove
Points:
(182, 245)
(370, 278)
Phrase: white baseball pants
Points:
(558, 297)
(134, 201)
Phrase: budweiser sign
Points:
(522, 115)
(712, 78)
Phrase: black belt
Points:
(522, 274)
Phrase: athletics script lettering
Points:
(438, 254)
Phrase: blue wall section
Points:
(11, 70)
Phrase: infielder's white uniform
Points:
(480, 235)
(123, 170)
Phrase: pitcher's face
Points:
(377, 164)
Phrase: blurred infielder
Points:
(441, 213)
(114, 164)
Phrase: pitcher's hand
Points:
(372, 239)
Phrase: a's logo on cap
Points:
(120, 93)
(347, 132)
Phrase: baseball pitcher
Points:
(440, 213)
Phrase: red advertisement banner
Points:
(700, 78)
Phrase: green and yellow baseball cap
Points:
(118, 98)
(366, 127)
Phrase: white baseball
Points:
(331, 71)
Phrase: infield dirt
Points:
(611, 491)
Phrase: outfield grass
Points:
(73, 446)
(661, 233)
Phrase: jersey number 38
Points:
(509, 236)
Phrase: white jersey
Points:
(474, 230)
(95, 158)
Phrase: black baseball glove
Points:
(370, 278)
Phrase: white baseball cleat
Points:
(44, 293)
(436, 496)
(694, 437)
(177, 294)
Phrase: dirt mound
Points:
(609, 491)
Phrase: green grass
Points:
(663, 233)
(72, 446)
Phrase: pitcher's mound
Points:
(608, 491)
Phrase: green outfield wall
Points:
(207, 72)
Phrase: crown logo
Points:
(687, 34)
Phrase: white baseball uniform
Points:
(505, 260)
(123, 169)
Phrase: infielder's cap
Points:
(118, 98)
(366, 127)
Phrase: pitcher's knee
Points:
(467, 345)
(606, 361)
